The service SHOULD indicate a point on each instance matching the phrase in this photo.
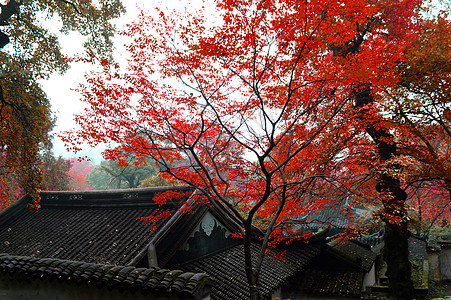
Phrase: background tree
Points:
(241, 102)
(78, 172)
(59, 174)
(400, 23)
(99, 180)
(429, 205)
(29, 53)
(156, 180)
(409, 127)
(111, 175)
(420, 106)
(55, 172)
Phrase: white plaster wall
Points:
(370, 278)
(434, 265)
(445, 263)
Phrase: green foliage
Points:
(440, 233)
(56, 172)
(99, 180)
(33, 54)
(156, 180)
(110, 175)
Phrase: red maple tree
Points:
(420, 109)
(79, 169)
(247, 109)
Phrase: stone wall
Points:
(440, 262)
(445, 261)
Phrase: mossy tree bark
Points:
(394, 213)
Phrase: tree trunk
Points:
(394, 214)
(396, 255)
(252, 278)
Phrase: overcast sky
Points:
(59, 88)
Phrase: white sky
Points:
(59, 88)
(64, 101)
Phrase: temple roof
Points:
(91, 226)
(226, 268)
(94, 237)
(146, 280)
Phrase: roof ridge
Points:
(154, 280)
(113, 191)
(109, 198)
(90, 199)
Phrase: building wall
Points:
(434, 265)
(370, 277)
(13, 288)
(210, 235)
(440, 262)
(445, 262)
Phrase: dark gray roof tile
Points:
(227, 269)
(331, 283)
(153, 280)
(97, 227)
(353, 252)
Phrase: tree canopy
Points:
(109, 175)
(30, 51)
(420, 107)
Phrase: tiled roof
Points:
(338, 271)
(93, 226)
(330, 283)
(338, 216)
(153, 280)
(372, 240)
(227, 269)
(349, 250)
